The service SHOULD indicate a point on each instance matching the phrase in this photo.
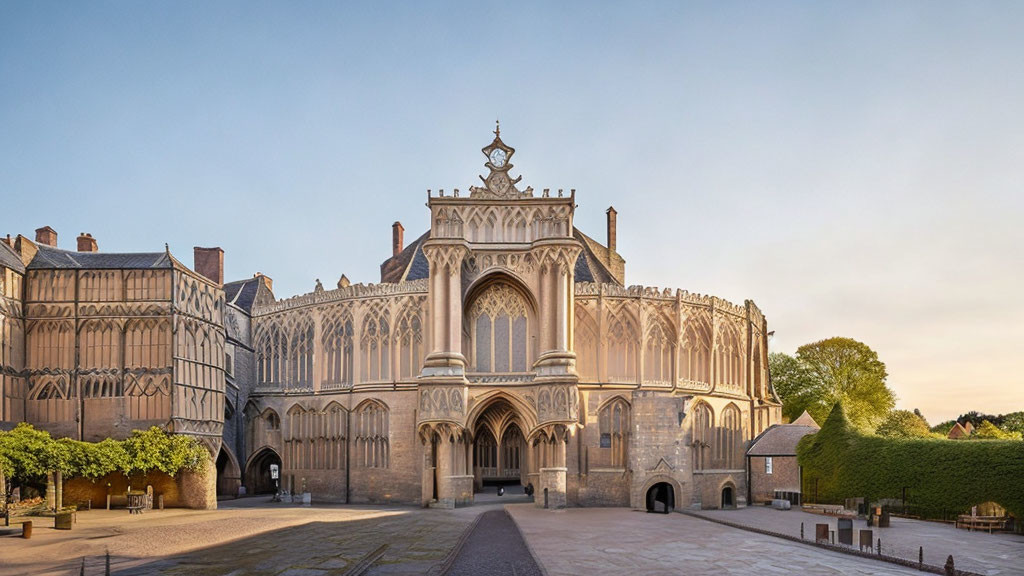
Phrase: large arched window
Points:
(410, 345)
(337, 346)
(376, 349)
(613, 420)
(695, 364)
(270, 349)
(487, 454)
(500, 330)
(300, 356)
(623, 346)
(658, 355)
(372, 444)
(729, 439)
(585, 336)
(703, 436)
(728, 357)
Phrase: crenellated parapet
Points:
(352, 292)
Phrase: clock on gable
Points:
(498, 184)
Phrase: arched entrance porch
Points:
(258, 473)
(499, 447)
(661, 498)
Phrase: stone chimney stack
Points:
(86, 243)
(47, 236)
(210, 263)
(397, 237)
(611, 227)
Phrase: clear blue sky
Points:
(855, 168)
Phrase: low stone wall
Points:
(188, 490)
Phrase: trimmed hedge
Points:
(940, 476)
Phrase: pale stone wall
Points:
(12, 347)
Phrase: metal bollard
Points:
(82, 571)
(26, 530)
(879, 546)
(107, 570)
(801, 530)
(920, 557)
(950, 568)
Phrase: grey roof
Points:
(10, 259)
(779, 440)
(242, 293)
(411, 264)
(51, 258)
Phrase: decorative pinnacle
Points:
(497, 127)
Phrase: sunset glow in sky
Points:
(854, 168)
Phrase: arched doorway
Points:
(498, 448)
(229, 478)
(257, 475)
(728, 497)
(661, 498)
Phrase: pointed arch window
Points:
(376, 349)
(613, 421)
(337, 347)
(410, 343)
(730, 439)
(622, 349)
(585, 335)
(703, 436)
(658, 355)
(372, 435)
(500, 330)
(695, 365)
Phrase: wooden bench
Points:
(990, 523)
(136, 503)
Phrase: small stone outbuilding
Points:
(771, 459)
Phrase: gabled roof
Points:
(245, 293)
(10, 259)
(48, 258)
(957, 431)
(410, 264)
(781, 439)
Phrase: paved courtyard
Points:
(975, 551)
(252, 536)
(599, 541)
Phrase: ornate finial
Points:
(497, 127)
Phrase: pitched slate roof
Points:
(10, 259)
(410, 264)
(245, 293)
(781, 439)
(54, 258)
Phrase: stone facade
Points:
(502, 345)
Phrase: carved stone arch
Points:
(622, 337)
(653, 481)
(522, 408)
(702, 434)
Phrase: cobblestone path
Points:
(495, 548)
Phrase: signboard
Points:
(274, 472)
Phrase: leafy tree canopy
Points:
(904, 424)
(28, 454)
(836, 370)
(989, 431)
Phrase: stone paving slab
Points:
(992, 554)
(614, 541)
(248, 538)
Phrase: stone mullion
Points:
(318, 354)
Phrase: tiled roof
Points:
(10, 259)
(51, 258)
(242, 293)
(780, 440)
(411, 264)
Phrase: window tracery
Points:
(658, 355)
(622, 346)
(376, 347)
(338, 352)
(371, 435)
(410, 344)
(586, 344)
(613, 421)
(703, 436)
(500, 330)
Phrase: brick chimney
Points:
(86, 243)
(47, 236)
(611, 227)
(397, 237)
(267, 280)
(210, 263)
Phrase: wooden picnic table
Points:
(989, 523)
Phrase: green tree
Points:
(989, 431)
(836, 370)
(904, 424)
(1013, 422)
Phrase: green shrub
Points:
(940, 476)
